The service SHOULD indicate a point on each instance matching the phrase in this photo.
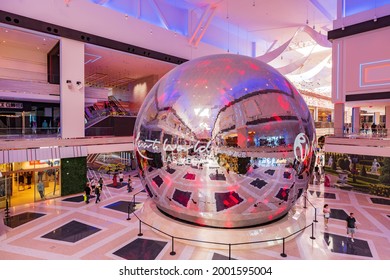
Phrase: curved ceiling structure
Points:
(293, 42)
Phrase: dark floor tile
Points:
(20, 219)
(378, 200)
(324, 195)
(181, 197)
(189, 176)
(344, 245)
(217, 256)
(283, 194)
(123, 206)
(118, 185)
(141, 249)
(158, 180)
(338, 214)
(287, 175)
(227, 200)
(79, 198)
(270, 172)
(72, 232)
(219, 177)
(258, 183)
(171, 170)
(329, 195)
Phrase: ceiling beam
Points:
(199, 25)
(203, 31)
(159, 14)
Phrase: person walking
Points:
(87, 191)
(114, 181)
(101, 183)
(129, 187)
(97, 192)
(93, 184)
(351, 226)
(41, 189)
(326, 212)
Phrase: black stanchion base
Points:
(312, 237)
(172, 253)
(283, 255)
(315, 221)
(140, 234)
(128, 219)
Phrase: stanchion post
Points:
(315, 215)
(128, 212)
(230, 251)
(283, 254)
(7, 216)
(172, 253)
(305, 202)
(140, 233)
(312, 231)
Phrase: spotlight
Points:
(69, 83)
(79, 85)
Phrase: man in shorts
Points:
(351, 225)
(121, 178)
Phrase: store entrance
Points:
(23, 186)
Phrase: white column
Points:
(355, 120)
(71, 93)
(315, 114)
(339, 119)
(387, 112)
(377, 117)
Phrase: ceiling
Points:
(273, 27)
(103, 67)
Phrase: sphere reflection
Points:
(225, 141)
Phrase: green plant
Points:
(363, 171)
(334, 166)
(73, 175)
(384, 178)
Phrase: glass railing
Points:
(99, 131)
(19, 132)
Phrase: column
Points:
(377, 118)
(242, 137)
(72, 89)
(355, 120)
(315, 114)
(387, 120)
(339, 119)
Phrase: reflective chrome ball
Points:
(224, 141)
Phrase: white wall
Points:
(361, 64)
(72, 99)
(22, 64)
(367, 62)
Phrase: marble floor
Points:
(67, 228)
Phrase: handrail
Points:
(283, 254)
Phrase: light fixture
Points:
(69, 83)
(79, 85)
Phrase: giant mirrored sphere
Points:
(224, 141)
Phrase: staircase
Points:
(91, 158)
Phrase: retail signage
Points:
(14, 105)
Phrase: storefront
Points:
(31, 181)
